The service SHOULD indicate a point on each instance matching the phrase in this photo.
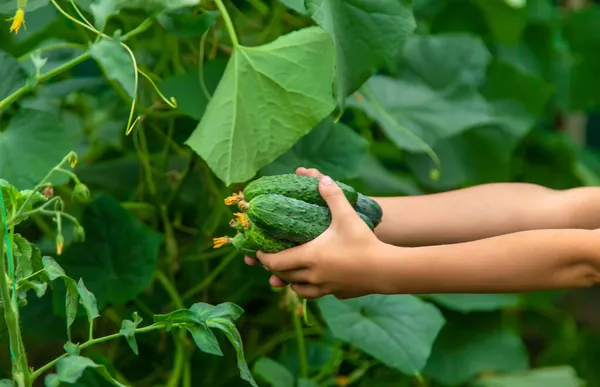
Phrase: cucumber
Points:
(266, 242)
(370, 208)
(291, 219)
(303, 188)
(244, 245)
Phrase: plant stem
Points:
(213, 274)
(27, 87)
(180, 353)
(228, 22)
(89, 343)
(11, 315)
(301, 344)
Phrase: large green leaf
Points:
(33, 143)
(482, 154)
(398, 330)
(104, 9)
(187, 88)
(11, 74)
(368, 34)
(334, 149)
(71, 368)
(560, 376)
(116, 62)
(461, 353)
(273, 373)
(200, 319)
(10, 6)
(269, 97)
(118, 259)
(296, 5)
(435, 94)
(581, 33)
(467, 303)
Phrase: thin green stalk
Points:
(27, 87)
(180, 353)
(11, 316)
(228, 22)
(89, 343)
(208, 280)
(301, 343)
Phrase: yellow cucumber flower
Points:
(17, 21)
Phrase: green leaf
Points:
(205, 339)
(88, 300)
(461, 353)
(71, 368)
(186, 24)
(435, 94)
(273, 373)
(187, 88)
(296, 5)
(118, 259)
(22, 251)
(266, 101)
(104, 9)
(72, 349)
(368, 35)
(10, 7)
(128, 330)
(11, 74)
(32, 144)
(334, 149)
(307, 383)
(203, 317)
(483, 154)
(506, 22)
(53, 270)
(560, 376)
(467, 303)
(398, 330)
(116, 63)
(381, 181)
(6, 383)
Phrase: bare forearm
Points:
(520, 262)
(484, 211)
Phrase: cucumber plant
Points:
(24, 272)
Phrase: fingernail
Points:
(326, 180)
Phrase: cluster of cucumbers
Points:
(282, 211)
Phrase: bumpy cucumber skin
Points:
(291, 219)
(303, 188)
(370, 208)
(266, 242)
(244, 245)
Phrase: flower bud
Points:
(81, 192)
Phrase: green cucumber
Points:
(303, 188)
(244, 245)
(370, 208)
(266, 242)
(291, 219)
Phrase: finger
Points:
(290, 259)
(340, 207)
(292, 276)
(307, 291)
(277, 282)
(311, 172)
(250, 261)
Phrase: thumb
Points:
(333, 195)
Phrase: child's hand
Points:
(343, 261)
(302, 172)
